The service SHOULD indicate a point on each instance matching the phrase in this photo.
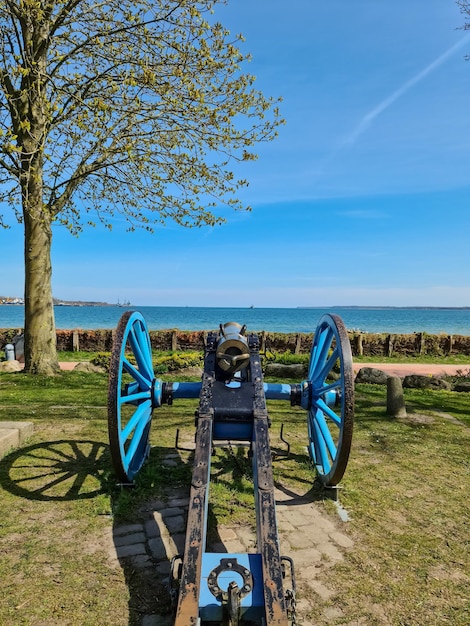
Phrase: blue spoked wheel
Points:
(131, 396)
(328, 396)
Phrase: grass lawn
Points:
(405, 489)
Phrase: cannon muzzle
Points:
(233, 353)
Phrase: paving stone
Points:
(175, 524)
(342, 540)
(246, 536)
(162, 568)
(305, 558)
(155, 505)
(161, 515)
(126, 529)
(331, 552)
(234, 547)
(157, 549)
(299, 539)
(296, 518)
(142, 561)
(151, 529)
(9, 439)
(319, 588)
(178, 502)
(226, 534)
(315, 535)
(281, 496)
(128, 540)
(113, 557)
(324, 523)
(133, 550)
(179, 541)
(24, 429)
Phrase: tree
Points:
(136, 107)
(464, 6)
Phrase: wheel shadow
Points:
(55, 471)
(306, 491)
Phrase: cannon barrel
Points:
(233, 353)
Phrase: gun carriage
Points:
(232, 589)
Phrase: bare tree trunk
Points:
(40, 335)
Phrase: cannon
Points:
(232, 589)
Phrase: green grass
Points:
(406, 490)
(454, 359)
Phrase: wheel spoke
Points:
(140, 349)
(139, 414)
(318, 355)
(134, 397)
(136, 439)
(324, 460)
(324, 432)
(322, 406)
(131, 369)
(335, 384)
(326, 369)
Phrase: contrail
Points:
(385, 104)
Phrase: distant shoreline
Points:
(79, 303)
(385, 308)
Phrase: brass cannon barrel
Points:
(233, 353)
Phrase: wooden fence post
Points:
(450, 344)
(75, 341)
(421, 343)
(263, 341)
(358, 345)
(298, 340)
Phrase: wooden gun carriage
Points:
(233, 589)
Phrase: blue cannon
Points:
(232, 589)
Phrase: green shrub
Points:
(288, 358)
(177, 361)
(102, 359)
(163, 363)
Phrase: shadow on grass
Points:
(149, 522)
(60, 470)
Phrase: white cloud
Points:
(367, 120)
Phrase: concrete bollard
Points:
(395, 399)
(10, 352)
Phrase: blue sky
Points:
(362, 200)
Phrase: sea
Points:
(450, 321)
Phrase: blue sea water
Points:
(372, 320)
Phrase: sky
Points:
(362, 200)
